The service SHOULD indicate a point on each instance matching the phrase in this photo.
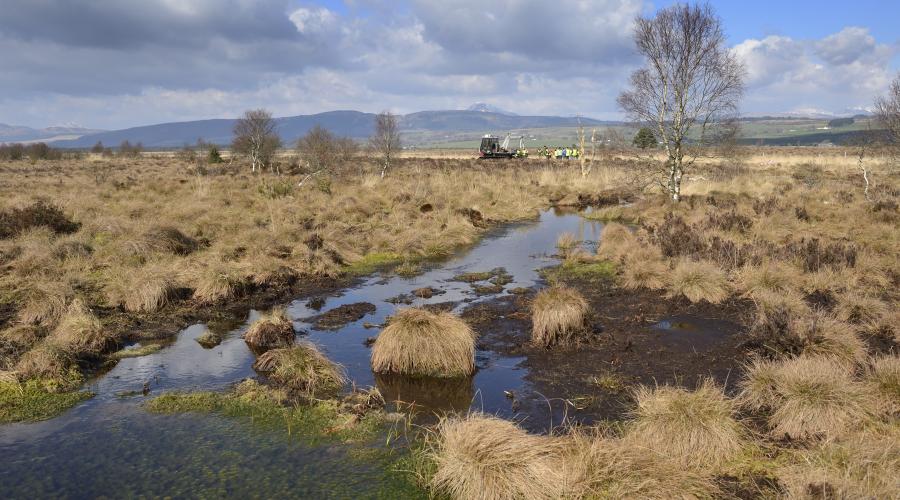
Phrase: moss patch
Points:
(136, 352)
(32, 401)
(587, 271)
(371, 262)
(266, 407)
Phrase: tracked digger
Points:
(492, 148)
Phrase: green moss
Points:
(586, 271)
(266, 407)
(371, 262)
(33, 401)
(136, 352)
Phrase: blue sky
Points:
(114, 64)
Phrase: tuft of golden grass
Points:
(769, 277)
(566, 244)
(806, 396)
(860, 309)
(695, 428)
(302, 369)
(216, 282)
(273, 329)
(699, 281)
(645, 268)
(45, 302)
(480, 456)
(80, 332)
(616, 241)
(604, 467)
(558, 316)
(883, 378)
(45, 361)
(421, 342)
(865, 464)
(822, 334)
(147, 289)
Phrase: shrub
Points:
(421, 342)
(694, 428)
(806, 396)
(698, 281)
(271, 330)
(558, 316)
(301, 369)
(40, 213)
(479, 456)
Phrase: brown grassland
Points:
(89, 245)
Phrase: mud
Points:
(336, 318)
(639, 337)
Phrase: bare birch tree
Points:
(386, 140)
(887, 111)
(256, 137)
(691, 83)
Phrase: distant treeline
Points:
(839, 138)
(36, 151)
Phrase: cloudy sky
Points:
(120, 63)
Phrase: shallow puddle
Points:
(109, 446)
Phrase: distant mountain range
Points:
(16, 133)
(344, 123)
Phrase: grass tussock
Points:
(865, 464)
(767, 277)
(558, 316)
(136, 352)
(479, 456)
(806, 397)
(695, 428)
(644, 268)
(616, 241)
(302, 370)
(48, 361)
(273, 329)
(217, 282)
(80, 331)
(147, 289)
(168, 239)
(566, 244)
(419, 342)
(209, 339)
(45, 302)
(883, 378)
(699, 281)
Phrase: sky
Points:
(120, 63)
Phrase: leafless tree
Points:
(255, 135)
(887, 111)
(690, 85)
(386, 140)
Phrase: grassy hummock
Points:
(271, 408)
(34, 400)
(137, 352)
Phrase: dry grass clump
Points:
(80, 332)
(46, 361)
(645, 268)
(701, 280)
(45, 302)
(883, 377)
(860, 309)
(767, 277)
(822, 334)
(273, 329)
(302, 369)
(558, 316)
(616, 241)
(216, 282)
(148, 289)
(865, 464)
(480, 456)
(169, 239)
(805, 396)
(566, 243)
(694, 428)
(424, 343)
(614, 468)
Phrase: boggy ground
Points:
(627, 347)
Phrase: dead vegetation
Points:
(558, 317)
(419, 342)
